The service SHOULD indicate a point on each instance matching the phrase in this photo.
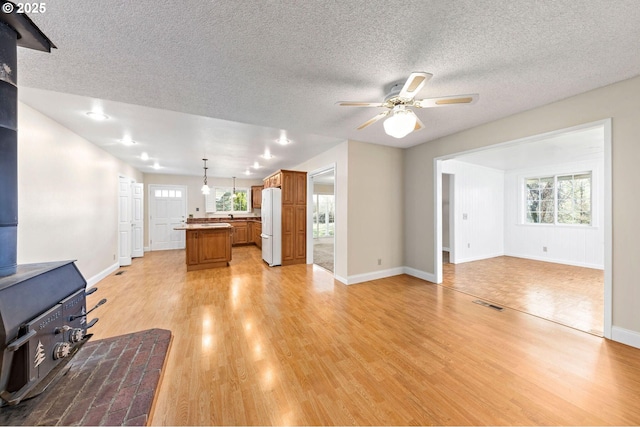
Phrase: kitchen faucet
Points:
(231, 216)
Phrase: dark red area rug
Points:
(109, 382)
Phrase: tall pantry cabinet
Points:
(294, 214)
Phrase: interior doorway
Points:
(448, 249)
(496, 210)
(323, 222)
(130, 220)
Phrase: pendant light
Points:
(205, 188)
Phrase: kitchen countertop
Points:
(203, 226)
(220, 220)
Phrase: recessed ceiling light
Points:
(247, 172)
(97, 116)
(283, 141)
(127, 141)
(256, 165)
(156, 166)
(267, 155)
(144, 156)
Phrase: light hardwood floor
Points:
(572, 296)
(288, 345)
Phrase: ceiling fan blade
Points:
(446, 101)
(419, 124)
(360, 104)
(373, 119)
(414, 84)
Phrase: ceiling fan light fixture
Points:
(400, 124)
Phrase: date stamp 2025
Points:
(31, 8)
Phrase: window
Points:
(540, 200)
(323, 215)
(168, 193)
(574, 199)
(225, 202)
(559, 199)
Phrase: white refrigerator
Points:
(271, 226)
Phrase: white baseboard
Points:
(374, 275)
(625, 336)
(146, 249)
(477, 258)
(340, 279)
(104, 273)
(558, 261)
(429, 277)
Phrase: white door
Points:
(124, 221)
(167, 209)
(137, 220)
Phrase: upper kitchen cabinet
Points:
(256, 196)
(293, 185)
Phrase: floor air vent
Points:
(486, 304)
(119, 273)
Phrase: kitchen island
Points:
(207, 245)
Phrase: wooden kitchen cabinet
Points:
(208, 248)
(256, 196)
(240, 232)
(273, 180)
(257, 234)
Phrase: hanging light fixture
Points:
(205, 188)
(234, 195)
(401, 123)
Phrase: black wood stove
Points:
(42, 306)
(43, 322)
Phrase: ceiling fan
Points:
(401, 120)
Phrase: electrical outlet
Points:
(379, 261)
(465, 216)
(469, 245)
(544, 249)
(114, 257)
(197, 209)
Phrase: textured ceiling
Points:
(282, 65)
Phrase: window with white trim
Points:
(228, 202)
(558, 199)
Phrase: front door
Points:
(167, 210)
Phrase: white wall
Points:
(575, 245)
(67, 196)
(478, 211)
(375, 203)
